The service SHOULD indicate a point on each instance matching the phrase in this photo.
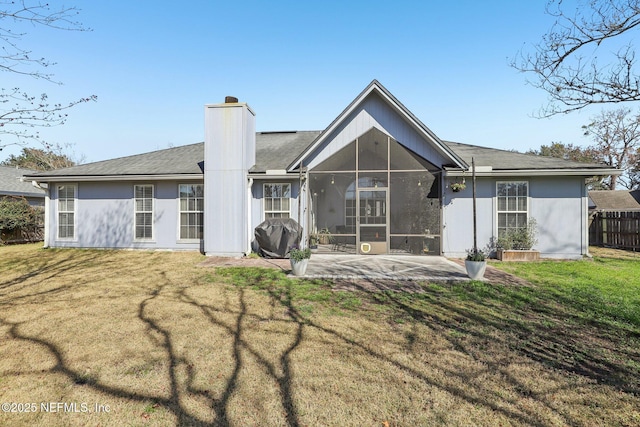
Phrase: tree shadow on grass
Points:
(161, 337)
(476, 316)
(465, 315)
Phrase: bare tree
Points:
(22, 113)
(578, 63)
(616, 135)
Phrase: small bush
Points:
(16, 214)
(519, 238)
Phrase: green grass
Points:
(309, 295)
(603, 290)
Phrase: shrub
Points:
(17, 213)
(298, 254)
(523, 238)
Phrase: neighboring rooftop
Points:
(11, 183)
(615, 200)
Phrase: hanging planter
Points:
(458, 186)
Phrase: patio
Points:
(385, 267)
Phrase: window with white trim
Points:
(143, 211)
(66, 211)
(277, 200)
(191, 211)
(513, 205)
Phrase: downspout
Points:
(249, 199)
(585, 220)
(303, 242)
(37, 185)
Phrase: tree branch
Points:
(565, 65)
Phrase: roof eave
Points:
(271, 177)
(535, 172)
(122, 177)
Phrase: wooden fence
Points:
(35, 234)
(615, 229)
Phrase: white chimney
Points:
(229, 153)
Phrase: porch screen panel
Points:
(415, 213)
(410, 222)
(373, 151)
(333, 204)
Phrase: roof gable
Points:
(372, 102)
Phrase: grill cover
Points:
(276, 237)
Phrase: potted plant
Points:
(313, 241)
(299, 258)
(476, 263)
(324, 237)
(458, 186)
(516, 244)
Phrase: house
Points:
(377, 179)
(11, 184)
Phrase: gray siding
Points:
(105, 217)
(229, 153)
(557, 203)
(257, 209)
(375, 112)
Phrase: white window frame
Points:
(66, 211)
(270, 213)
(188, 211)
(508, 211)
(136, 212)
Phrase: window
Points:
(143, 211)
(513, 205)
(66, 211)
(277, 200)
(191, 210)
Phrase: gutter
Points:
(534, 172)
(249, 228)
(94, 178)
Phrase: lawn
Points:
(150, 338)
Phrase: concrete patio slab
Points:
(385, 267)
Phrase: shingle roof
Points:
(616, 200)
(511, 160)
(276, 151)
(12, 185)
(185, 159)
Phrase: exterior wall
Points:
(104, 217)
(375, 112)
(557, 203)
(257, 208)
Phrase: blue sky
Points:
(155, 64)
